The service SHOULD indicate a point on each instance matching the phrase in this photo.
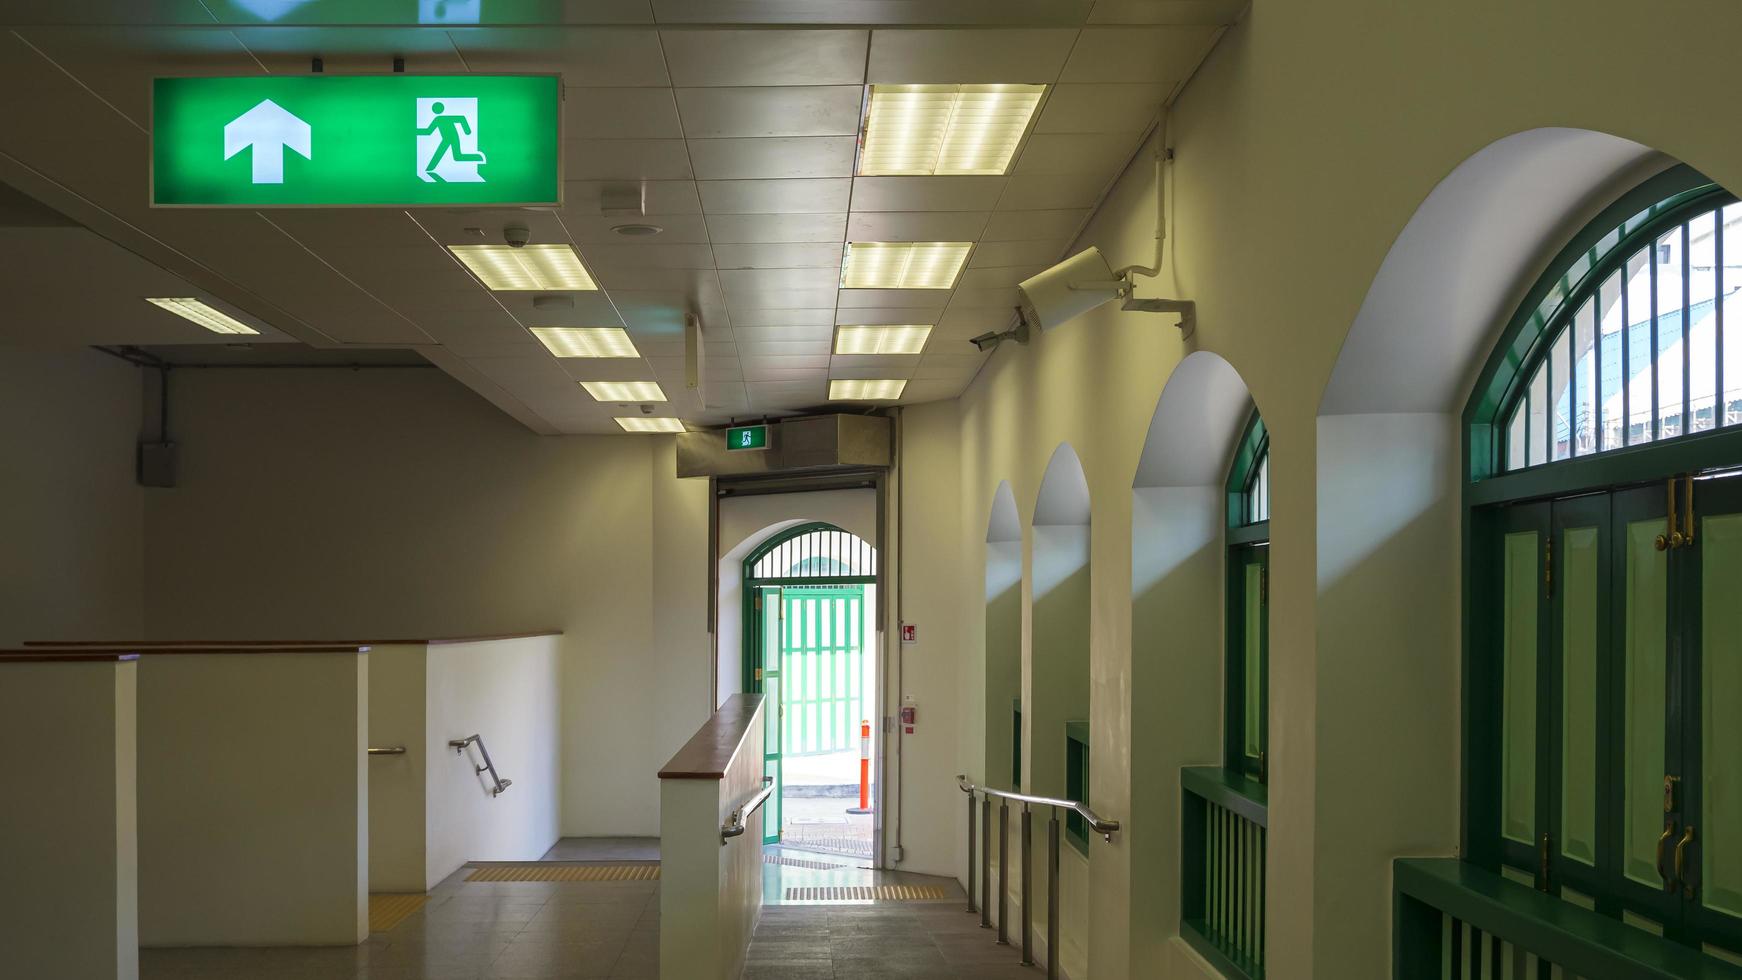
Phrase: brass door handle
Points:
(1681, 859)
(1662, 841)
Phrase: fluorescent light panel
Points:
(907, 338)
(647, 424)
(586, 341)
(945, 129)
(188, 308)
(624, 391)
(504, 267)
(855, 390)
(903, 265)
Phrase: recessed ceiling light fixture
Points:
(586, 341)
(945, 129)
(856, 390)
(188, 308)
(644, 424)
(624, 391)
(903, 265)
(636, 231)
(881, 338)
(504, 267)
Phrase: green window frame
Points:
(1246, 725)
(1590, 645)
(1077, 782)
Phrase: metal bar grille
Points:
(1232, 850)
(818, 554)
(822, 664)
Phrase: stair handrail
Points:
(459, 746)
(739, 821)
(1099, 824)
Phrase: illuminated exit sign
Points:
(747, 437)
(356, 141)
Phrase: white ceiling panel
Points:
(118, 63)
(1051, 192)
(371, 228)
(1166, 11)
(620, 113)
(585, 309)
(1108, 108)
(649, 255)
(993, 254)
(799, 110)
(1158, 55)
(867, 368)
(922, 390)
(606, 369)
(994, 277)
(787, 367)
(1070, 12)
(750, 298)
(964, 322)
(585, 56)
(748, 336)
(927, 193)
(657, 196)
(817, 196)
(765, 57)
(787, 256)
(1034, 225)
(949, 365)
(727, 229)
(469, 227)
(749, 159)
(912, 305)
(996, 56)
(784, 348)
(1101, 155)
(616, 279)
(753, 280)
(676, 229)
(971, 299)
(626, 160)
(751, 317)
(350, 50)
(916, 226)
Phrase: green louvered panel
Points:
(1234, 885)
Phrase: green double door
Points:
(1620, 641)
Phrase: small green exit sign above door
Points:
(356, 141)
(747, 437)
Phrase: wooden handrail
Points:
(426, 641)
(69, 657)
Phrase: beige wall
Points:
(253, 799)
(70, 512)
(69, 889)
(397, 783)
(397, 503)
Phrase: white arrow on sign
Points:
(270, 129)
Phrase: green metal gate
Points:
(822, 660)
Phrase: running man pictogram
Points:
(447, 141)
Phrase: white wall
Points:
(68, 858)
(70, 512)
(398, 503)
(507, 691)
(253, 799)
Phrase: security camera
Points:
(992, 338)
(516, 236)
(1083, 282)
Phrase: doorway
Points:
(810, 647)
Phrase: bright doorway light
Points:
(586, 341)
(624, 391)
(945, 129)
(504, 267)
(903, 265)
(190, 309)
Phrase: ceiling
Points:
(738, 120)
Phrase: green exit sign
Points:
(356, 141)
(747, 437)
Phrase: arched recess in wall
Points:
(1003, 686)
(1179, 525)
(1056, 710)
(1390, 464)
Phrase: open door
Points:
(768, 614)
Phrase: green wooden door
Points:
(1248, 705)
(768, 678)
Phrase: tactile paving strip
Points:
(564, 872)
(387, 911)
(867, 893)
(800, 863)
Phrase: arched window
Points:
(1247, 735)
(1603, 670)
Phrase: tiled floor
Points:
(604, 849)
(468, 931)
(909, 940)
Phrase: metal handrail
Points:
(1106, 828)
(459, 746)
(1100, 825)
(387, 750)
(740, 819)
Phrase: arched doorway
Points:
(810, 646)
